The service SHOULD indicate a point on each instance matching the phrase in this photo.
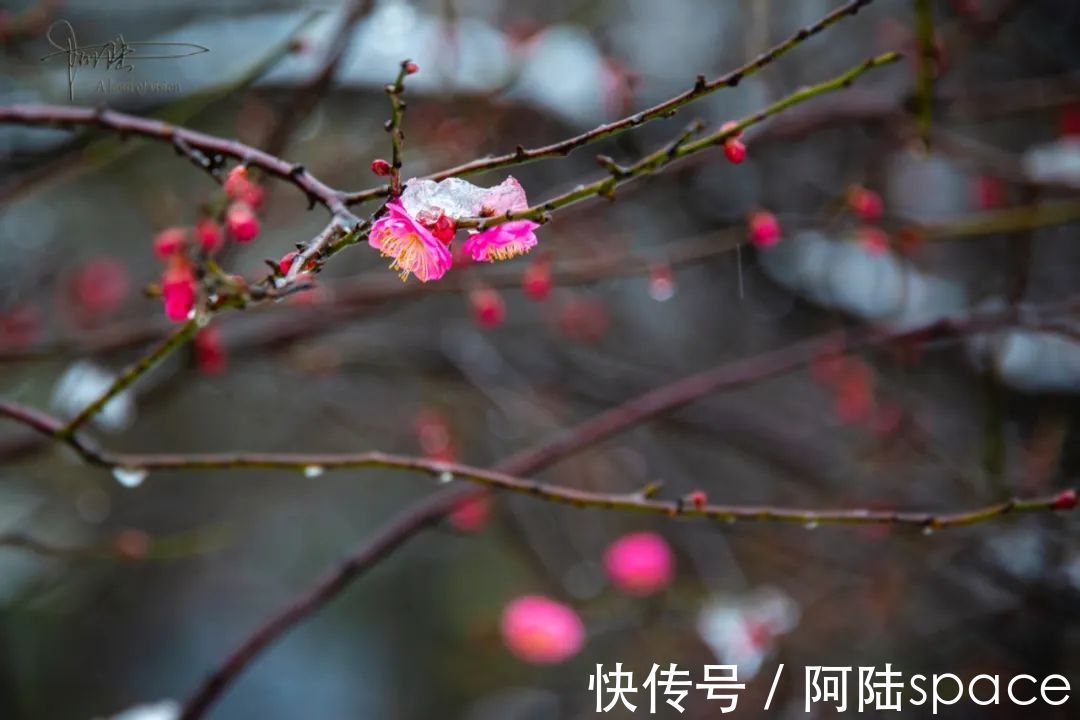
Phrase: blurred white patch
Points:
(879, 287)
(1072, 571)
(1056, 162)
(164, 710)
(82, 384)
(1028, 360)
(742, 630)
(17, 569)
(925, 188)
(468, 54)
(129, 477)
(1020, 551)
(564, 73)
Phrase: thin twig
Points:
(667, 108)
(927, 64)
(429, 511)
(136, 370)
(305, 99)
(671, 152)
(393, 126)
(210, 145)
(664, 399)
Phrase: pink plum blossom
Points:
(508, 239)
(542, 631)
(418, 228)
(502, 242)
(412, 246)
(639, 563)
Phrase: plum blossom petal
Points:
(412, 246)
(503, 241)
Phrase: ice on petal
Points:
(507, 195)
(455, 197)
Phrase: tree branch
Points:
(429, 511)
(665, 109)
(675, 150)
(209, 145)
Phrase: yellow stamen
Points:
(408, 253)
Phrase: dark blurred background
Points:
(196, 560)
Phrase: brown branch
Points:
(429, 511)
(209, 145)
(642, 408)
(673, 151)
(139, 368)
(306, 98)
(397, 115)
(667, 108)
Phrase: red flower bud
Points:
(1065, 500)
(444, 229)
(99, 287)
(241, 222)
(734, 147)
(169, 241)
(764, 229)
(411, 68)
(536, 282)
(286, 262)
(178, 290)
(236, 182)
(210, 354)
(209, 234)
(866, 204)
(488, 307)
(380, 167)
(698, 499)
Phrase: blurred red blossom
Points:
(471, 514)
(178, 289)
(487, 306)
(99, 287)
(209, 234)
(241, 222)
(763, 229)
(169, 241)
(541, 631)
(584, 319)
(210, 355)
(640, 563)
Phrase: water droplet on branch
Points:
(129, 477)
